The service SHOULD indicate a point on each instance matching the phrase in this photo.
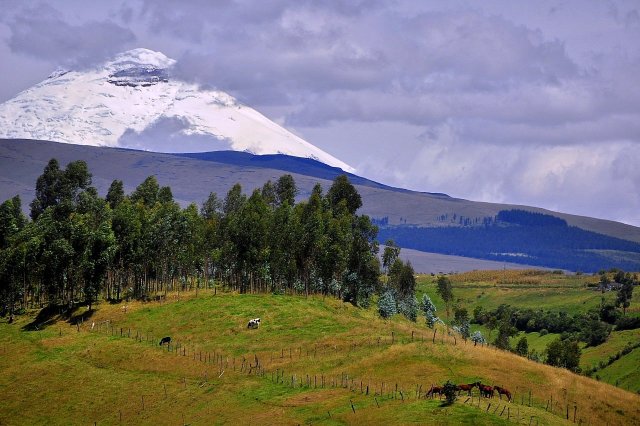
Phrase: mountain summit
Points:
(133, 102)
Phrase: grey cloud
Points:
(589, 179)
(632, 18)
(536, 103)
(41, 31)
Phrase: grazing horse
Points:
(503, 391)
(166, 340)
(486, 391)
(466, 388)
(434, 390)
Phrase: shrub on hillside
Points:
(522, 347)
(450, 391)
(627, 323)
(564, 353)
(408, 307)
(387, 304)
(477, 337)
(429, 311)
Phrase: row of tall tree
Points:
(79, 246)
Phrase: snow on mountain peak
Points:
(132, 102)
(140, 57)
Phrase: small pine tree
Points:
(429, 311)
(522, 347)
(409, 308)
(387, 304)
(477, 337)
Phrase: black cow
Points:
(166, 340)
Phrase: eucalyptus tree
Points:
(127, 267)
(445, 290)
(115, 194)
(389, 255)
(311, 230)
(60, 188)
(286, 190)
(211, 212)
(94, 242)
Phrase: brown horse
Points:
(503, 391)
(486, 391)
(435, 390)
(466, 388)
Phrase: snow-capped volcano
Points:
(133, 102)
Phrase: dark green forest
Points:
(79, 246)
(521, 237)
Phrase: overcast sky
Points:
(535, 103)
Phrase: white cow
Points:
(254, 323)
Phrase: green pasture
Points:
(558, 293)
(64, 374)
(111, 370)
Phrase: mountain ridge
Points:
(397, 211)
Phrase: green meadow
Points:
(314, 360)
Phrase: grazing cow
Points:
(166, 340)
(465, 387)
(503, 391)
(254, 323)
(435, 390)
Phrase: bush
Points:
(544, 332)
(522, 347)
(429, 311)
(409, 308)
(387, 304)
(450, 391)
(595, 332)
(564, 353)
(477, 337)
(627, 323)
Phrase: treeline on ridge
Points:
(79, 245)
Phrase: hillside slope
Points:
(312, 361)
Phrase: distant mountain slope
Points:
(398, 212)
(133, 101)
(437, 263)
(286, 163)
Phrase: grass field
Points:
(524, 289)
(537, 289)
(63, 374)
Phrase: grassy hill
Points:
(310, 362)
(536, 289)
